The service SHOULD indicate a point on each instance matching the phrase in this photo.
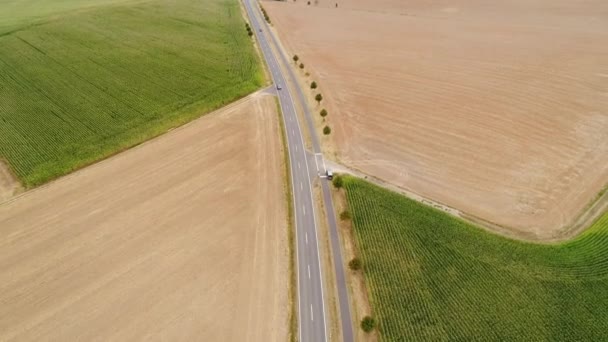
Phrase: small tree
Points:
(296, 59)
(326, 130)
(338, 181)
(323, 113)
(313, 85)
(301, 65)
(345, 215)
(319, 98)
(368, 324)
(355, 264)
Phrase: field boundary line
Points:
(102, 161)
(584, 220)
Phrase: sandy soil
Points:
(182, 238)
(499, 109)
(9, 185)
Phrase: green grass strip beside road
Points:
(434, 277)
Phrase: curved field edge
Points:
(431, 276)
(85, 86)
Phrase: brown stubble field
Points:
(499, 109)
(181, 238)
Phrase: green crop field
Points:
(432, 277)
(81, 80)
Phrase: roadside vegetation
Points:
(433, 277)
(293, 315)
(266, 17)
(97, 80)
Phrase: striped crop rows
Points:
(432, 277)
(81, 87)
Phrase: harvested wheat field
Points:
(182, 238)
(9, 185)
(499, 109)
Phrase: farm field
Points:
(495, 108)
(432, 277)
(183, 238)
(81, 80)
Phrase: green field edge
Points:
(147, 131)
(151, 130)
(357, 248)
(567, 233)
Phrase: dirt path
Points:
(181, 238)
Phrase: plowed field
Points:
(180, 239)
(497, 108)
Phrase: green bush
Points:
(368, 324)
(313, 85)
(355, 264)
(323, 113)
(345, 215)
(319, 98)
(338, 181)
(326, 130)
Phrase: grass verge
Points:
(293, 324)
(432, 277)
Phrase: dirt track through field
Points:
(499, 109)
(182, 238)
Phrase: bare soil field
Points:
(9, 185)
(499, 109)
(181, 238)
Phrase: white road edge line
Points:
(250, 10)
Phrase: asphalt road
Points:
(346, 323)
(311, 307)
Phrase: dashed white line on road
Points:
(296, 148)
(306, 236)
(301, 186)
(293, 132)
(312, 318)
(308, 271)
(299, 165)
(303, 209)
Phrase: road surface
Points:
(311, 307)
(343, 302)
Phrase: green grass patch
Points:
(433, 277)
(80, 82)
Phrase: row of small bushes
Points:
(368, 323)
(318, 97)
(265, 14)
